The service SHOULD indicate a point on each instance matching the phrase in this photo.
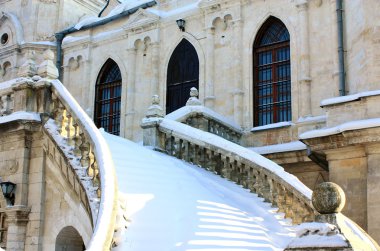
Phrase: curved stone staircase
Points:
(199, 137)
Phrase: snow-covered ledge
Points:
(196, 115)
(349, 98)
(272, 126)
(349, 126)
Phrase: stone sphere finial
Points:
(328, 198)
(155, 100)
(194, 92)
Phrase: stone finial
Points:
(48, 69)
(193, 100)
(328, 198)
(28, 68)
(155, 110)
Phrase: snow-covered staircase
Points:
(174, 205)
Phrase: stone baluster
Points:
(91, 171)
(69, 128)
(288, 204)
(280, 198)
(84, 148)
(257, 182)
(77, 138)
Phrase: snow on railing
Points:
(80, 132)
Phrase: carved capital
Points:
(17, 215)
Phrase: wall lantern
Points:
(8, 190)
(181, 24)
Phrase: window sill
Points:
(272, 126)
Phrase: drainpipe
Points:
(60, 35)
(105, 7)
(341, 72)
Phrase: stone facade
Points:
(223, 34)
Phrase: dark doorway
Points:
(69, 239)
(108, 98)
(183, 73)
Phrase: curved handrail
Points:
(104, 227)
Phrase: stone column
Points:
(373, 188)
(304, 63)
(209, 95)
(129, 116)
(238, 92)
(155, 67)
(151, 134)
(17, 219)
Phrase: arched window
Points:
(271, 57)
(183, 73)
(108, 98)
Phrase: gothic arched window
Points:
(183, 73)
(271, 71)
(108, 98)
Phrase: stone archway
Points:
(69, 239)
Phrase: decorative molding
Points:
(140, 19)
(16, 25)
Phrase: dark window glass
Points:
(108, 98)
(272, 93)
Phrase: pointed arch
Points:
(271, 74)
(182, 74)
(108, 97)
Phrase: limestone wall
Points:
(45, 201)
(228, 30)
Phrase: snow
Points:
(105, 164)
(285, 147)
(20, 115)
(175, 12)
(348, 98)
(191, 134)
(173, 205)
(125, 6)
(8, 84)
(312, 119)
(72, 39)
(316, 234)
(44, 43)
(348, 126)
(182, 113)
(271, 126)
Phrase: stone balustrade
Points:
(180, 141)
(259, 180)
(196, 115)
(72, 141)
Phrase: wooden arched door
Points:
(183, 74)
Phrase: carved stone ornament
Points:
(193, 100)
(155, 110)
